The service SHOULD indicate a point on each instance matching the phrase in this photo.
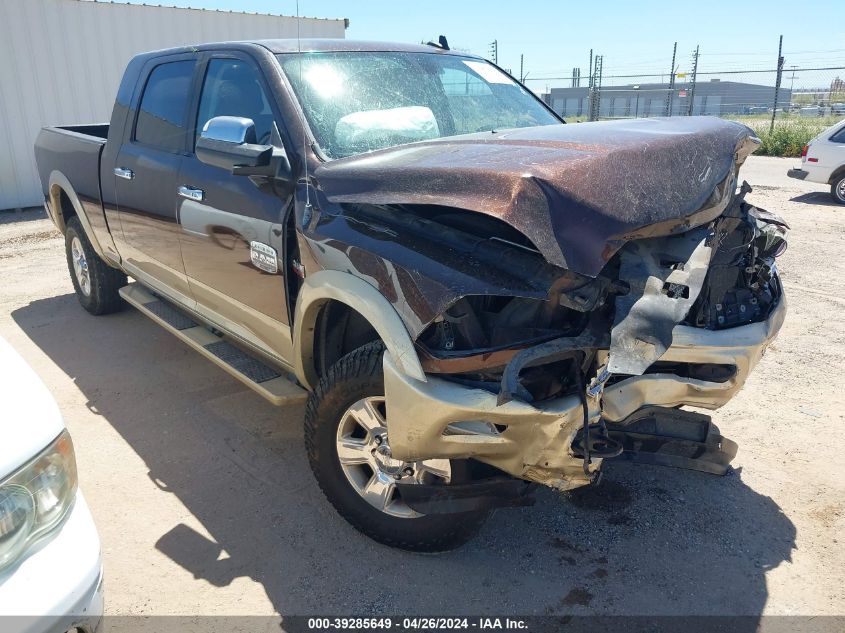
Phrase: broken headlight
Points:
(741, 285)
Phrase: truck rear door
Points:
(146, 171)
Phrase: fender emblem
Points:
(263, 257)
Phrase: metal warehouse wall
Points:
(61, 62)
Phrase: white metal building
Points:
(61, 62)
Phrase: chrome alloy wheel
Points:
(80, 266)
(364, 455)
(840, 190)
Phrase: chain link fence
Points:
(790, 98)
(717, 93)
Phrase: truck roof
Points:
(311, 45)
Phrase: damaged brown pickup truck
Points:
(473, 297)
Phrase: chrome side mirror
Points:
(231, 129)
(229, 142)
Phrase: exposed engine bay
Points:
(718, 276)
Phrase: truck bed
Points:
(96, 130)
(74, 151)
(70, 156)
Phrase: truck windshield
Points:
(358, 102)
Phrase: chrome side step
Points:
(271, 383)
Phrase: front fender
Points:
(326, 285)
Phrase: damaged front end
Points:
(541, 370)
(677, 320)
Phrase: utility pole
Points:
(671, 92)
(521, 74)
(691, 103)
(595, 90)
(777, 82)
(589, 89)
(494, 51)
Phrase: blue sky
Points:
(554, 36)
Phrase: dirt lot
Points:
(205, 503)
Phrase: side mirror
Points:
(229, 142)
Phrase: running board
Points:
(273, 384)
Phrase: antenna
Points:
(304, 126)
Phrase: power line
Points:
(700, 73)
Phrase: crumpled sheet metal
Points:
(534, 446)
(741, 346)
(578, 192)
(655, 268)
(417, 277)
(769, 226)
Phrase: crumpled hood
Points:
(577, 191)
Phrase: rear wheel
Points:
(346, 434)
(837, 189)
(95, 282)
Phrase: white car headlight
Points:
(36, 498)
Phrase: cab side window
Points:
(839, 137)
(232, 88)
(163, 111)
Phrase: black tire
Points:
(103, 280)
(837, 189)
(359, 375)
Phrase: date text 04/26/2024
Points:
(416, 624)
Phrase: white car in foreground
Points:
(50, 568)
(823, 161)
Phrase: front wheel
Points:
(346, 434)
(837, 189)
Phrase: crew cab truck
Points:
(473, 297)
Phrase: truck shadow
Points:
(648, 541)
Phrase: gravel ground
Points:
(205, 504)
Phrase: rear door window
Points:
(163, 111)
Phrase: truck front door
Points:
(146, 171)
(227, 219)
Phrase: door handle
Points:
(122, 172)
(191, 193)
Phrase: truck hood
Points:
(29, 414)
(578, 192)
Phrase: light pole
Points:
(637, 106)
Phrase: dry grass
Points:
(789, 135)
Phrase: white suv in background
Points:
(823, 160)
(50, 569)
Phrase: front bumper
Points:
(59, 586)
(533, 442)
